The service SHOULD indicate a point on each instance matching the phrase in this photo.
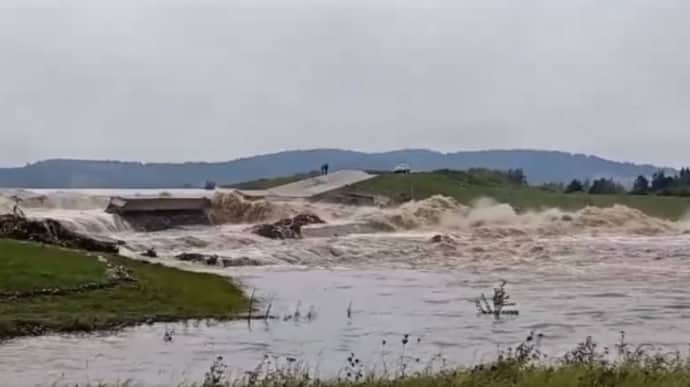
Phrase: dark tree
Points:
(517, 176)
(605, 187)
(641, 186)
(574, 186)
(684, 176)
(661, 182)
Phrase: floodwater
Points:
(371, 275)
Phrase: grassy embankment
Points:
(47, 289)
(586, 365)
(575, 376)
(467, 187)
(499, 376)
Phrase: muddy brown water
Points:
(589, 274)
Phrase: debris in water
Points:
(288, 228)
(150, 253)
(168, 335)
(499, 301)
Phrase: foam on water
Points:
(232, 208)
(484, 230)
(594, 271)
(435, 213)
(89, 222)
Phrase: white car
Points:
(402, 168)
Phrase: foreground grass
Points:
(25, 266)
(500, 376)
(571, 376)
(536, 377)
(157, 293)
(524, 366)
(467, 187)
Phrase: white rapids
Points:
(595, 272)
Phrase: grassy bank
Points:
(586, 365)
(468, 187)
(499, 376)
(570, 376)
(47, 289)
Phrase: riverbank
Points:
(587, 364)
(494, 376)
(48, 289)
(573, 376)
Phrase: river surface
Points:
(372, 275)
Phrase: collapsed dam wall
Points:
(160, 213)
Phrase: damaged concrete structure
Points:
(160, 213)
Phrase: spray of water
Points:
(484, 230)
(232, 208)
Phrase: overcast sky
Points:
(184, 80)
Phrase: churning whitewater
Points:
(360, 236)
(370, 274)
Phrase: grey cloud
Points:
(213, 80)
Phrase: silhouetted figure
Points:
(325, 169)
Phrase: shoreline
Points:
(47, 289)
(587, 364)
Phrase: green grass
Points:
(575, 376)
(567, 376)
(498, 376)
(572, 376)
(158, 294)
(47, 267)
(467, 187)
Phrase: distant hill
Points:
(540, 167)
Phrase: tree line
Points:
(659, 184)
